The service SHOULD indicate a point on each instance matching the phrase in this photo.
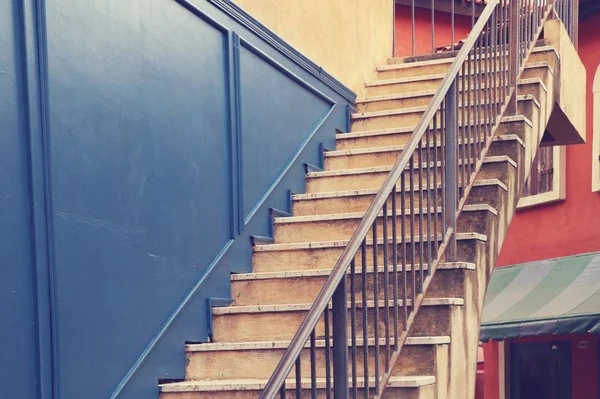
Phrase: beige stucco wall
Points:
(347, 38)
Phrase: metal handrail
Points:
(445, 98)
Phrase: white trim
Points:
(558, 192)
(596, 134)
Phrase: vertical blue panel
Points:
(277, 117)
(140, 174)
(18, 374)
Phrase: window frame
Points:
(559, 177)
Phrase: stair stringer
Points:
(457, 379)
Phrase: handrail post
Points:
(513, 54)
(451, 166)
(340, 340)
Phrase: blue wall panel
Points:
(160, 134)
(17, 272)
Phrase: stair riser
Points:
(549, 56)
(398, 103)
(386, 122)
(432, 69)
(260, 364)
(360, 203)
(362, 181)
(281, 326)
(405, 393)
(342, 229)
(388, 158)
(394, 139)
(306, 289)
(404, 87)
(316, 258)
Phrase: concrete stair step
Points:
(411, 387)
(401, 136)
(359, 200)
(324, 254)
(341, 226)
(373, 176)
(421, 97)
(241, 360)
(280, 322)
(270, 288)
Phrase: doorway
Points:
(541, 370)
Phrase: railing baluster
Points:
(452, 23)
(376, 305)
(395, 265)
(477, 88)
(340, 340)
(386, 282)
(451, 167)
(412, 18)
(429, 204)
(421, 210)
(436, 129)
(462, 128)
(487, 81)
(514, 57)
(353, 325)
(404, 248)
(298, 378)
(363, 252)
(282, 391)
(412, 226)
(469, 121)
(313, 365)
(327, 354)
(432, 26)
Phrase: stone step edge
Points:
(344, 243)
(421, 109)
(398, 61)
(436, 76)
(259, 384)
(391, 148)
(319, 343)
(388, 168)
(425, 93)
(410, 129)
(300, 307)
(374, 191)
(360, 215)
(327, 272)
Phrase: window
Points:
(596, 134)
(546, 182)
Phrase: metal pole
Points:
(340, 341)
(451, 165)
(513, 54)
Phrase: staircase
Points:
(405, 300)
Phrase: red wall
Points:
(566, 228)
(572, 226)
(443, 36)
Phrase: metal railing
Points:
(359, 322)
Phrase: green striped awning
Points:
(557, 296)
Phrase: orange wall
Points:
(572, 226)
(443, 36)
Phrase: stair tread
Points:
(259, 384)
(373, 191)
(376, 169)
(296, 307)
(319, 343)
(344, 243)
(450, 57)
(410, 129)
(327, 272)
(383, 82)
(360, 215)
(409, 110)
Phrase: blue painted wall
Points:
(142, 142)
